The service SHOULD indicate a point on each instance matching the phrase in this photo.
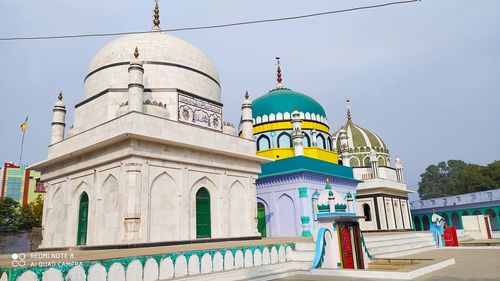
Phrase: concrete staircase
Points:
(304, 252)
(398, 244)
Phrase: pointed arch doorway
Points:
(83, 217)
(261, 219)
(203, 221)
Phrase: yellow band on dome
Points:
(287, 125)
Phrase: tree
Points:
(457, 177)
(9, 211)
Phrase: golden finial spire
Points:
(156, 17)
(279, 85)
(328, 181)
(136, 53)
(348, 108)
(60, 97)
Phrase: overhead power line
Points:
(212, 26)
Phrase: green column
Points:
(305, 218)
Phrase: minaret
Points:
(246, 119)
(399, 170)
(135, 85)
(374, 163)
(156, 17)
(344, 147)
(297, 135)
(58, 120)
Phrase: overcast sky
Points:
(424, 76)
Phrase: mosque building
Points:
(382, 194)
(291, 128)
(149, 157)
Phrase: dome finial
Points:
(156, 17)
(279, 85)
(348, 109)
(136, 53)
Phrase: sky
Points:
(423, 76)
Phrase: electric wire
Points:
(211, 26)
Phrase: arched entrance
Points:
(426, 223)
(455, 220)
(83, 217)
(367, 212)
(261, 219)
(446, 218)
(203, 222)
(493, 219)
(417, 223)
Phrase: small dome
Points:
(169, 62)
(284, 101)
(361, 143)
(360, 137)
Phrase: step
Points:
(400, 247)
(400, 241)
(385, 266)
(304, 246)
(390, 237)
(397, 254)
(301, 256)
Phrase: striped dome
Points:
(361, 142)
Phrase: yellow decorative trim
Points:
(287, 125)
(311, 152)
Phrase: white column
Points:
(58, 120)
(297, 135)
(246, 119)
(133, 207)
(136, 84)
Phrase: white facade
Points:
(141, 166)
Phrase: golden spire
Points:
(348, 107)
(279, 85)
(136, 53)
(156, 17)
(327, 180)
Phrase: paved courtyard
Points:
(473, 264)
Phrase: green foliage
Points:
(14, 217)
(457, 177)
(9, 212)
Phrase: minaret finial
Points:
(279, 85)
(156, 17)
(348, 108)
(60, 97)
(136, 52)
(247, 95)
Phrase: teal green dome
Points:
(281, 100)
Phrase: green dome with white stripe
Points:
(361, 142)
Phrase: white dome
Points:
(169, 62)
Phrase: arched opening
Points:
(320, 141)
(329, 144)
(164, 204)
(286, 216)
(465, 213)
(381, 161)
(284, 140)
(367, 212)
(446, 218)
(493, 219)
(261, 219)
(340, 162)
(417, 223)
(455, 220)
(263, 143)
(203, 222)
(306, 140)
(367, 162)
(83, 217)
(426, 223)
(354, 162)
(476, 212)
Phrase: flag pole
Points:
(21, 153)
